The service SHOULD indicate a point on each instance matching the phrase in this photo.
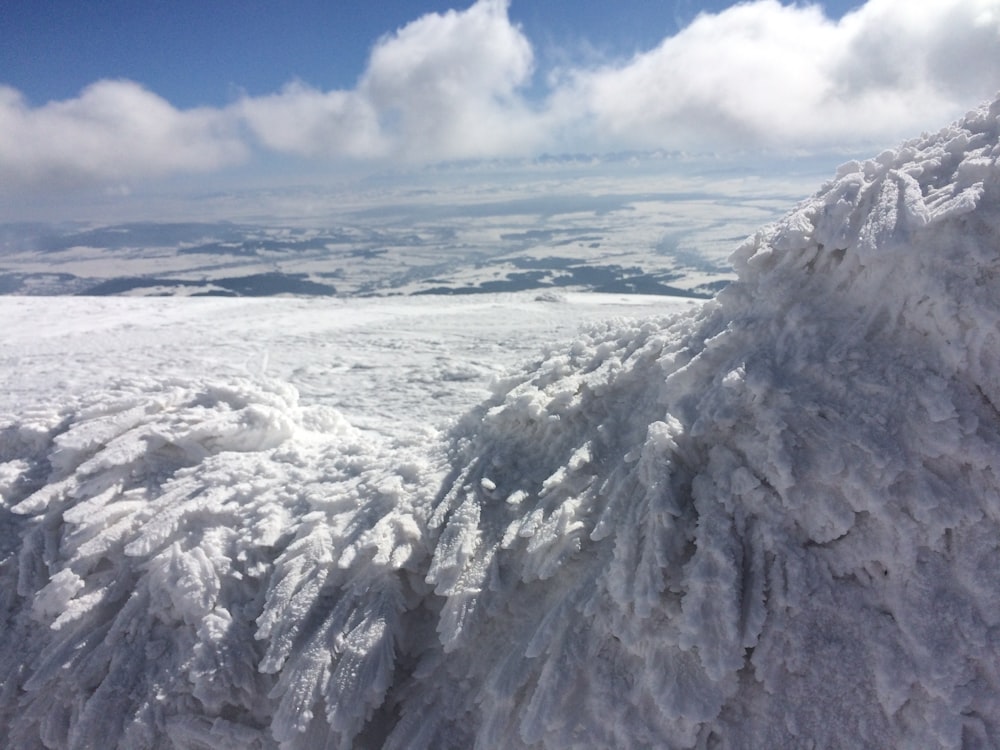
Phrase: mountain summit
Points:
(772, 522)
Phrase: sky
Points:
(114, 95)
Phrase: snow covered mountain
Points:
(773, 521)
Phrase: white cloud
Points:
(950, 46)
(443, 86)
(448, 85)
(302, 120)
(114, 131)
(765, 74)
(725, 79)
(456, 85)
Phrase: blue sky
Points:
(197, 52)
(119, 95)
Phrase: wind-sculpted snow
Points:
(203, 566)
(772, 522)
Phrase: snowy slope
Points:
(770, 522)
(390, 365)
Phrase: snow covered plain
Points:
(770, 520)
(658, 225)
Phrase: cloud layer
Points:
(464, 84)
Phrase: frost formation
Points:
(774, 522)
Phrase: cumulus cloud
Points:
(726, 78)
(444, 86)
(462, 84)
(305, 121)
(949, 45)
(448, 85)
(113, 131)
(766, 74)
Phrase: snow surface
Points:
(390, 365)
(772, 521)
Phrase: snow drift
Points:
(774, 522)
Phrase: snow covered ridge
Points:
(773, 522)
